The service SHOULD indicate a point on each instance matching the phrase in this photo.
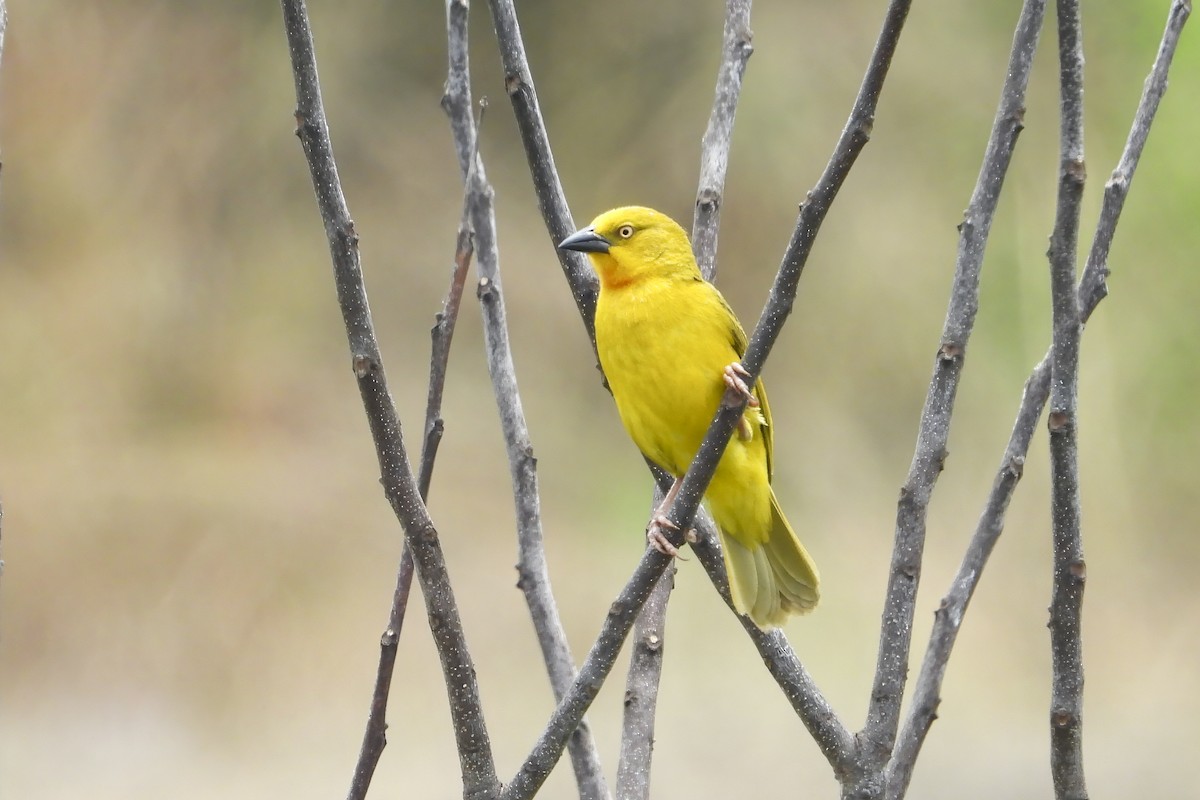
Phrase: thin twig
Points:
(895, 639)
(1066, 604)
(1091, 291)
(552, 201)
(441, 335)
(949, 615)
(474, 747)
(375, 736)
(533, 574)
(714, 149)
(1092, 288)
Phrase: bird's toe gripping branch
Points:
(657, 538)
(735, 378)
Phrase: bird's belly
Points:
(667, 392)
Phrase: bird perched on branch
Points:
(670, 347)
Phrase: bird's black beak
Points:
(585, 241)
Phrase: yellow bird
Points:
(670, 347)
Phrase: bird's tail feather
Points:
(771, 581)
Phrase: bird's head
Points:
(630, 244)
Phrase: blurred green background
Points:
(198, 556)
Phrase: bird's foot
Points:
(735, 378)
(657, 538)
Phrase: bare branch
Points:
(534, 577)
(552, 201)
(474, 746)
(714, 148)
(949, 615)
(1066, 604)
(1092, 287)
(1091, 291)
(375, 736)
(641, 688)
(895, 640)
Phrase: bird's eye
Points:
(625, 231)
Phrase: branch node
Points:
(513, 83)
(347, 232)
(950, 351)
(1015, 466)
(1119, 182)
(363, 365)
(863, 127)
(1059, 421)
(301, 123)
(1075, 170)
(1078, 570)
(708, 198)
(1062, 718)
(485, 290)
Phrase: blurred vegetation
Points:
(199, 558)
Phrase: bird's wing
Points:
(740, 342)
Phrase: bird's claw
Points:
(657, 539)
(735, 378)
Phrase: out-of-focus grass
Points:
(198, 556)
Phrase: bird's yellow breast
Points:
(663, 343)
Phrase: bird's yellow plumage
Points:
(666, 339)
